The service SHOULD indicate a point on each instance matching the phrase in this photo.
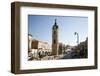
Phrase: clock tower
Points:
(55, 44)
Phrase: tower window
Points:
(54, 41)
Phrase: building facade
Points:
(29, 42)
(40, 45)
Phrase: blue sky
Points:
(41, 28)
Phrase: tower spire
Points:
(55, 21)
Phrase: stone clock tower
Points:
(55, 44)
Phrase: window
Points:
(54, 41)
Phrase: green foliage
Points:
(82, 49)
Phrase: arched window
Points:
(54, 41)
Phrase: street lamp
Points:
(77, 41)
(77, 37)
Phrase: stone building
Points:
(55, 44)
(40, 45)
(35, 47)
(29, 42)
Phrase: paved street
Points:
(68, 55)
(52, 57)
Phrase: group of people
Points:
(37, 54)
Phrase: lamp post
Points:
(77, 37)
(77, 41)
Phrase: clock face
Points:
(55, 27)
